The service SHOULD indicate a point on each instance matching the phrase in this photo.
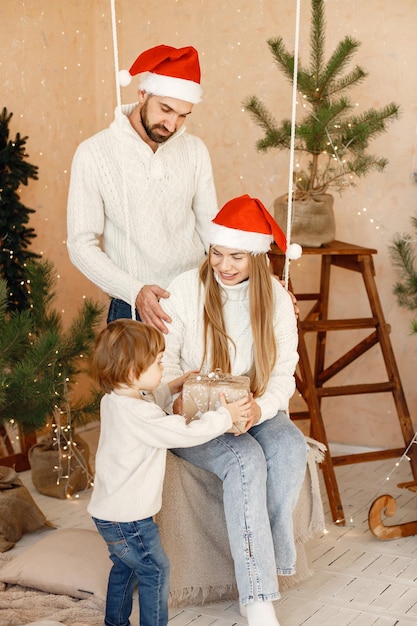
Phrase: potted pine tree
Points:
(40, 363)
(331, 139)
(40, 359)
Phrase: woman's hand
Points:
(294, 300)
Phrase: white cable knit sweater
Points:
(184, 342)
(170, 199)
(131, 454)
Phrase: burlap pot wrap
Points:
(313, 222)
(19, 513)
(44, 461)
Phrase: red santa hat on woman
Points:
(167, 71)
(245, 224)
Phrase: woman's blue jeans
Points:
(262, 473)
(138, 559)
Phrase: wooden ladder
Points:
(312, 378)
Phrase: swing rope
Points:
(115, 51)
(129, 247)
(292, 142)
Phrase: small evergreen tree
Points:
(330, 135)
(15, 235)
(40, 361)
(402, 252)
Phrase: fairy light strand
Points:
(68, 453)
(387, 478)
(348, 183)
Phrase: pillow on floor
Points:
(45, 622)
(69, 561)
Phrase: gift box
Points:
(201, 392)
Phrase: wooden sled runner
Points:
(387, 505)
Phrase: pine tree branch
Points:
(282, 57)
(317, 39)
(402, 252)
(341, 57)
(330, 139)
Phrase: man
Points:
(145, 187)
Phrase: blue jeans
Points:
(120, 309)
(138, 559)
(262, 473)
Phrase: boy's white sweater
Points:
(130, 461)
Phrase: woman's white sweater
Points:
(150, 209)
(184, 342)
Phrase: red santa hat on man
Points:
(167, 71)
(245, 224)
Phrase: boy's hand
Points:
(239, 411)
(176, 385)
(254, 414)
(177, 405)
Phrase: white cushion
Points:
(69, 561)
(45, 622)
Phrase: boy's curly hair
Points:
(124, 349)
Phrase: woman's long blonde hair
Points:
(261, 310)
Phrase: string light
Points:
(13, 436)
(347, 179)
(70, 456)
(387, 478)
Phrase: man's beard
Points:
(152, 131)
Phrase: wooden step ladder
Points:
(312, 378)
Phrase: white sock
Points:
(261, 614)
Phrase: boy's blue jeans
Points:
(138, 559)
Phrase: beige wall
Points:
(57, 77)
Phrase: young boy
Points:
(130, 464)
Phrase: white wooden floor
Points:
(359, 580)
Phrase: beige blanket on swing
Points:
(193, 531)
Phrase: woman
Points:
(234, 315)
